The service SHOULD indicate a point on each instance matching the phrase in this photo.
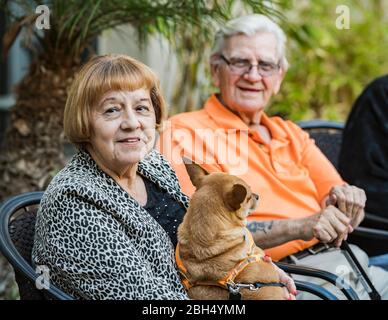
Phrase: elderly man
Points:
(304, 203)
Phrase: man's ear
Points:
(236, 196)
(279, 80)
(215, 69)
(195, 172)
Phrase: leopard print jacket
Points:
(98, 242)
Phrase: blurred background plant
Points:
(329, 67)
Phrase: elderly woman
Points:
(106, 226)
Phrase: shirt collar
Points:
(226, 119)
(222, 116)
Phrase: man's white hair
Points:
(251, 25)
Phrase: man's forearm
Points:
(269, 234)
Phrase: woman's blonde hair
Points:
(98, 76)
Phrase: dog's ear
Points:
(236, 196)
(195, 172)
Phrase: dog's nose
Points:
(256, 196)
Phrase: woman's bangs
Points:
(118, 77)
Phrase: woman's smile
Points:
(130, 142)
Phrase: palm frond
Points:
(75, 22)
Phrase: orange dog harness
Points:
(226, 282)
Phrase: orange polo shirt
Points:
(290, 174)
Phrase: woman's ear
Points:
(279, 80)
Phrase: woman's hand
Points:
(290, 288)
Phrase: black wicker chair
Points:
(17, 222)
(372, 235)
(17, 226)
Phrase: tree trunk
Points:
(34, 143)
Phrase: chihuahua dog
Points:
(213, 240)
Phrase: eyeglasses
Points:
(243, 66)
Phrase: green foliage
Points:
(330, 67)
(73, 23)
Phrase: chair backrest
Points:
(21, 230)
(327, 136)
(17, 227)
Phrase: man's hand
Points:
(350, 200)
(329, 225)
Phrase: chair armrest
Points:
(371, 233)
(315, 290)
(8, 248)
(376, 221)
(320, 124)
(346, 289)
